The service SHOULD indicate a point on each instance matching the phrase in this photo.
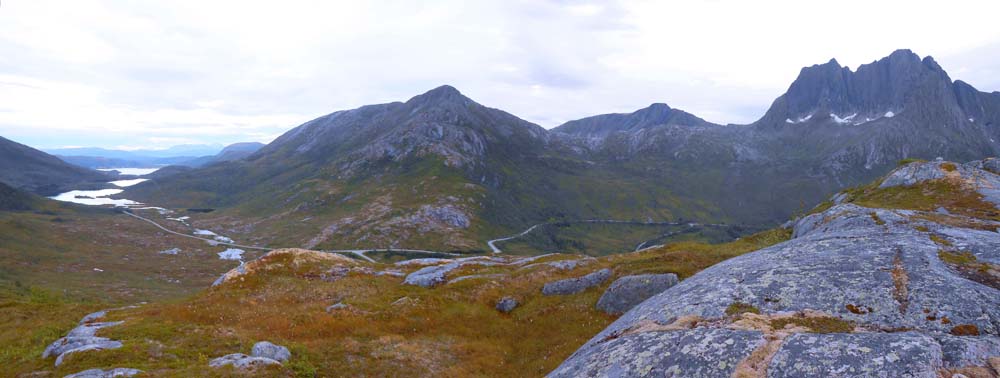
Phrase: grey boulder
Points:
(506, 304)
(576, 285)
(629, 291)
(268, 350)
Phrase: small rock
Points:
(171, 251)
(576, 285)
(405, 301)
(629, 291)
(242, 361)
(268, 350)
(506, 304)
(110, 373)
(337, 306)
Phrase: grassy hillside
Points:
(389, 328)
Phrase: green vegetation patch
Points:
(737, 308)
(821, 324)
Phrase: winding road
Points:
(638, 248)
(361, 253)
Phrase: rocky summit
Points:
(858, 291)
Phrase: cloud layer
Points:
(154, 74)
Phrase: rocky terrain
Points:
(909, 288)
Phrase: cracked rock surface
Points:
(878, 269)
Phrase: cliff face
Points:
(901, 278)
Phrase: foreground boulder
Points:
(885, 299)
(628, 291)
(576, 285)
(268, 350)
(262, 354)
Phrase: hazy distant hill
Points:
(235, 151)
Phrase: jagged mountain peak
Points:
(880, 89)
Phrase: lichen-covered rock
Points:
(275, 352)
(628, 291)
(876, 268)
(242, 361)
(696, 353)
(576, 285)
(506, 304)
(857, 355)
(110, 373)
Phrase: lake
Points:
(100, 197)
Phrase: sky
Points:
(133, 74)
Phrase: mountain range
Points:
(182, 155)
(441, 170)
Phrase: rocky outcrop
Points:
(82, 338)
(576, 285)
(294, 256)
(628, 291)
(242, 361)
(874, 274)
(110, 373)
(434, 275)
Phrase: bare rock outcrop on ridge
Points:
(875, 273)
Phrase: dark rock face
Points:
(576, 285)
(506, 305)
(628, 291)
(877, 268)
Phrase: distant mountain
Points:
(184, 150)
(656, 115)
(94, 157)
(443, 171)
(96, 162)
(235, 151)
(26, 168)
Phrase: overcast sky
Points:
(131, 74)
